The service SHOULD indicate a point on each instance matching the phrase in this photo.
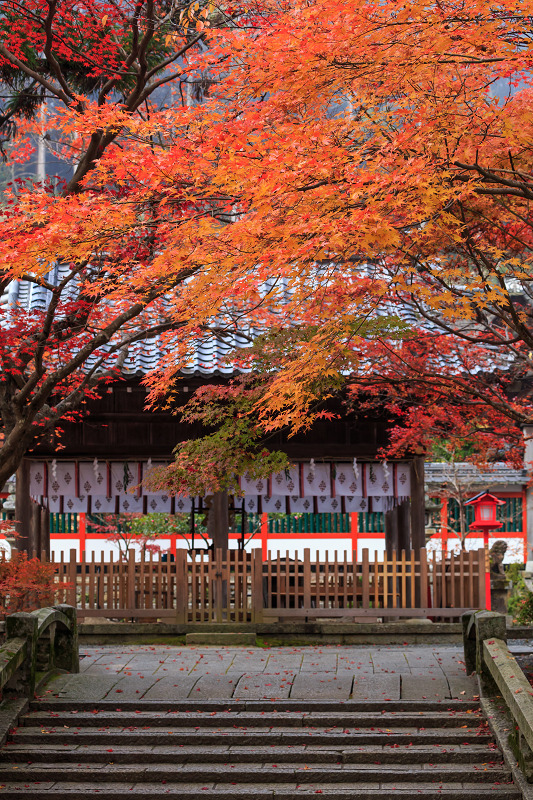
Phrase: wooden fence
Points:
(242, 587)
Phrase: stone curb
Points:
(10, 710)
(501, 723)
(228, 639)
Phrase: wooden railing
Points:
(242, 587)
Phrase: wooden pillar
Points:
(23, 508)
(45, 531)
(404, 526)
(418, 505)
(391, 531)
(264, 536)
(82, 533)
(35, 529)
(354, 530)
(218, 521)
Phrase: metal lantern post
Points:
(485, 505)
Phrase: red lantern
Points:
(485, 505)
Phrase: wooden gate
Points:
(220, 588)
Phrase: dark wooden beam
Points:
(35, 529)
(391, 531)
(418, 505)
(404, 526)
(23, 507)
(45, 531)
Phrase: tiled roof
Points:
(211, 352)
(442, 472)
(209, 358)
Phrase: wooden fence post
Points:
(307, 578)
(72, 577)
(366, 578)
(218, 584)
(182, 587)
(424, 599)
(257, 585)
(130, 580)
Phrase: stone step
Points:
(310, 754)
(221, 639)
(335, 706)
(266, 773)
(250, 736)
(285, 719)
(282, 791)
(254, 750)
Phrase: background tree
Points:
(386, 174)
(90, 66)
(364, 199)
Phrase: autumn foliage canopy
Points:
(350, 180)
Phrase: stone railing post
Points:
(469, 641)
(489, 625)
(23, 626)
(478, 626)
(65, 650)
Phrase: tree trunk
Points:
(218, 522)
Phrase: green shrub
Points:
(523, 608)
(520, 599)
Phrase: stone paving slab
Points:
(55, 685)
(319, 662)
(463, 687)
(262, 685)
(376, 687)
(215, 687)
(389, 663)
(289, 661)
(132, 687)
(434, 671)
(421, 659)
(88, 687)
(322, 685)
(416, 687)
(354, 661)
(174, 688)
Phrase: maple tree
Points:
(26, 584)
(387, 174)
(122, 530)
(86, 66)
(364, 199)
(139, 533)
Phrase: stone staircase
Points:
(260, 749)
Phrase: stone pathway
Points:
(159, 672)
